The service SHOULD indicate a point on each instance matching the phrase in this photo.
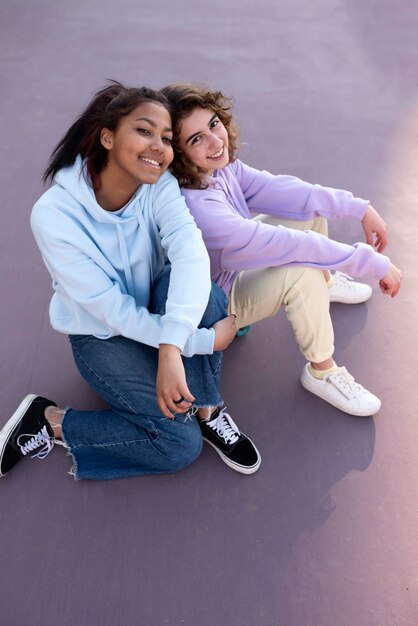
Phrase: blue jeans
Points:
(132, 437)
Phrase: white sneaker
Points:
(340, 389)
(348, 291)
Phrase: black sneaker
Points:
(26, 431)
(234, 448)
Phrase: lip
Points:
(218, 155)
(153, 163)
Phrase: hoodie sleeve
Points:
(237, 243)
(68, 253)
(190, 282)
(289, 197)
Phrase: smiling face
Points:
(140, 149)
(203, 139)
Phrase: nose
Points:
(215, 144)
(157, 144)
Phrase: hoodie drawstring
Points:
(147, 240)
(125, 260)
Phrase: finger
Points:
(185, 394)
(176, 408)
(182, 392)
(396, 291)
(166, 412)
(369, 238)
(183, 407)
(383, 287)
(162, 405)
(383, 240)
(234, 324)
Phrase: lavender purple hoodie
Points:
(235, 242)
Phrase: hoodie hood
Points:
(76, 181)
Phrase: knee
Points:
(186, 446)
(217, 307)
(305, 279)
(307, 289)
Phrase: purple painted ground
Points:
(325, 533)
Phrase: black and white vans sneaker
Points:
(234, 448)
(25, 432)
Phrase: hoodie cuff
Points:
(358, 208)
(174, 333)
(200, 342)
(382, 266)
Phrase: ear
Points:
(106, 138)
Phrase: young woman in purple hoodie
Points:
(267, 240)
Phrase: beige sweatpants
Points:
(257, 294)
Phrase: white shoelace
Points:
(343, 280)
(35, 441)
(225, 426)
(344, 382)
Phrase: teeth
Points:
(218, 154)
(150, 161)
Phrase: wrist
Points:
(168, 348)
(366, 211)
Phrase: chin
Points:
(151, 177)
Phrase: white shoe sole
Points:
(366, 294)
(346, 301)
(11, 424)
(309, 385)
(236, 466)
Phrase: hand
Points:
(171, 382)
(391, 283)
(375, 229)
(225, 331)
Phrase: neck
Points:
(111, 193)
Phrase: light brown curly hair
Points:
(183, 98)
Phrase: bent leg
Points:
(258, 294)
(132, 437)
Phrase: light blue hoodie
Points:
(103, 264)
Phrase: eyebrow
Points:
(152, 123)
(199, 131)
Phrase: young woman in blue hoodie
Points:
(131, 279)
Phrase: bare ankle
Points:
(54, 417)
(324, 365)
(204, 412)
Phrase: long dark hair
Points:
(183, 99)
(104, 111)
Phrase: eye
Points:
(168, 140)
(215, 123)
(143, 131)
(196, 139)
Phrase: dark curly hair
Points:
(183, 98)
